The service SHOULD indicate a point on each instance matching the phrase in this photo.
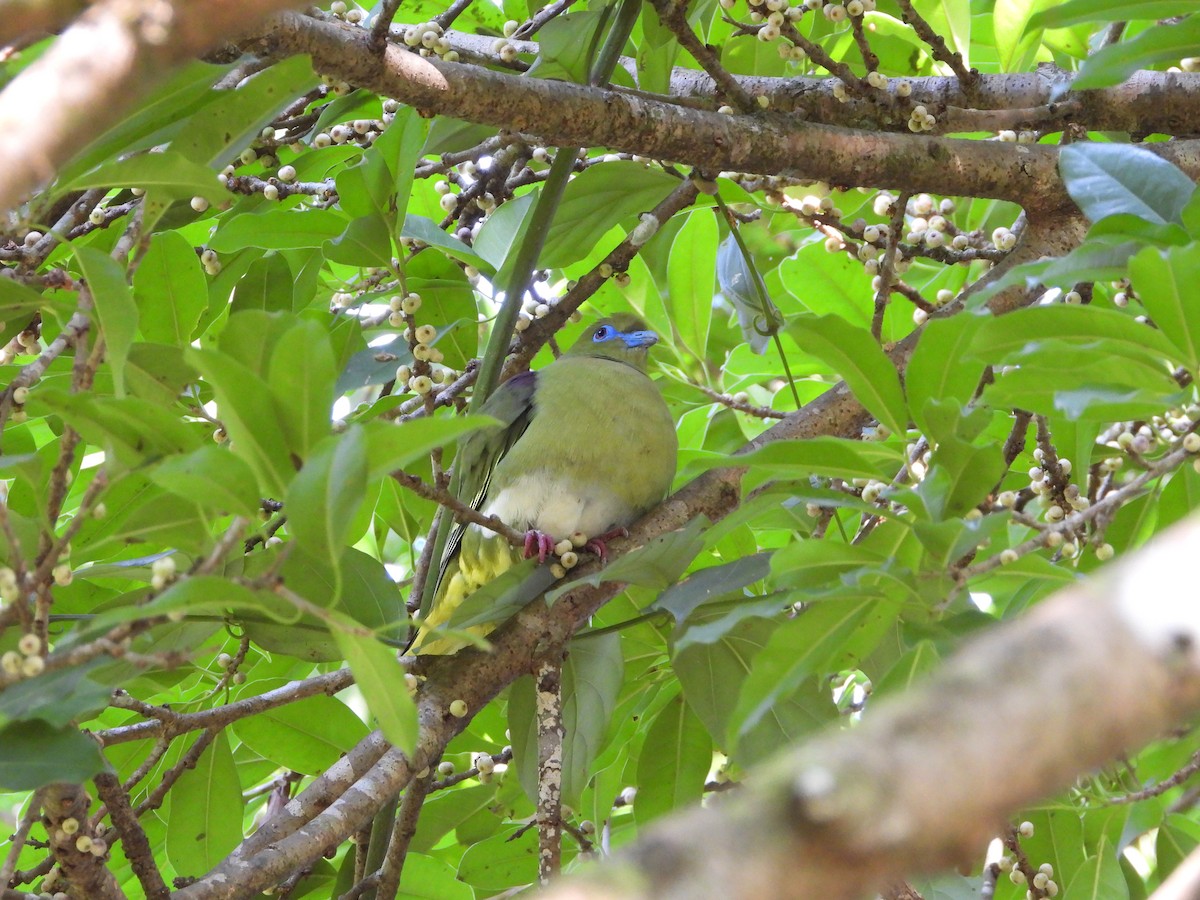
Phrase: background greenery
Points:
(199, 488)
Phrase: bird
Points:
(585, 446)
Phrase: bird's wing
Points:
(512, 405)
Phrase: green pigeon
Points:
(585, 445)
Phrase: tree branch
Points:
(569, 114)
(1096, 670)
(109, 58)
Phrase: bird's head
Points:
(623, 337)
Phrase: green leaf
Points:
(250, 337)
(657, 565)
(380, 677)
(204, 823)
(937, 370)
(17, 300)
(691, 267)
(1177, 838)
(245, 407)
(176, 176)
(444, 811)
(809, 565)
(278, 229)
(392, 447)
(857, 358)
(325, 495)
(267, 285)
(916, 662)
(375, 365)
(500, 862)
(674, 761)
(1099, 878)
(301, 374)
(140, 511)
(179, 96)
(34, 754)
(369, 595)
(426, 878)
(597, 199)
(712, 675)
(426, 230)
(1161, 44)
(1058, 839)
(960, 477)
(450, 135)
(567, 46)
(504, 230)
(502, 597)
(830, 456)
(366, 241)
(219, 129)
(1087, 395)
(656, 56)
(1015, 335)
(1098, 259)
(798, 650)
(306, 735)
(114, 307)
(1107, 179)
(215, 479)
(55, 698)
(682, 599)
(199, 595)
(365, 189)
(712, 624)
(1074, 12)
(946, 542)
(1016, 44)
(169, 289)
(1166, 283)
(131, 429)
(399, 147)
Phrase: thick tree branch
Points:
(567, 114)
(575, 115)
(1147, 102)
(109, 58)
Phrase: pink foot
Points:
(539, 544)
(599, 545)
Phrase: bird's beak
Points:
(634, 339)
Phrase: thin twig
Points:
(383, 23)
(17, 842)
(673, 15)
(1178, 778)
(461, 511)
(452, 12)
(137, 846)
(402, 835)
(887, 266)
(967, 77)
(530, 28)
(1074, 521)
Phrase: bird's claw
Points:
(599, 544)
(539, 544)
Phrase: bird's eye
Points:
(603, 333)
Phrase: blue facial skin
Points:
(632, 339)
